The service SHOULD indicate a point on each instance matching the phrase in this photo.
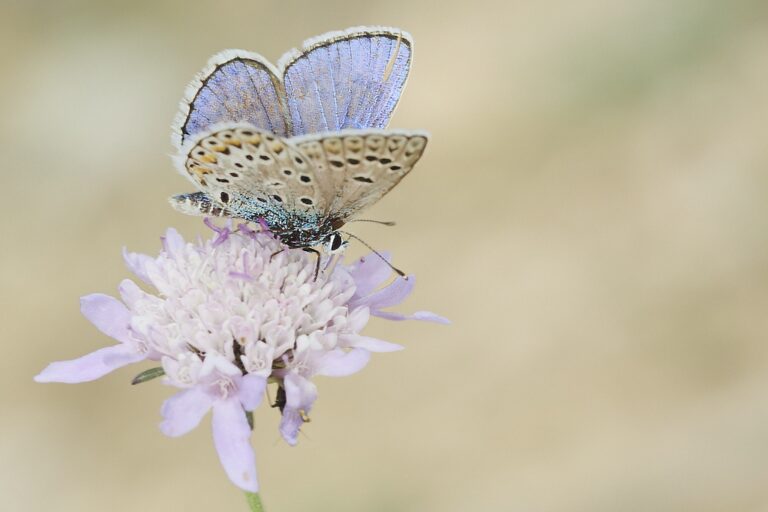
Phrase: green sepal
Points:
(146, 375)
(249, 417)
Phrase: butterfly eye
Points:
(334, 243)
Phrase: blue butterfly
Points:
(300, 146)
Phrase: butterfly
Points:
(299, 147)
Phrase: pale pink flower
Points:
(228, 316)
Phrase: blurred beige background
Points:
(591, 213)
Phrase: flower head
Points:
(231, 314)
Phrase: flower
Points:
(231, 314)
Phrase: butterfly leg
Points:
(317, 262)
(276, 253)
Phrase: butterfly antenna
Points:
(399, 272)
(382, 222)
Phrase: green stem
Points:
(254, 501)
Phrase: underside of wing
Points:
(235, 86)
(349, 79)
(361, 165)
(253, 173)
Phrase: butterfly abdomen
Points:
(198, 203)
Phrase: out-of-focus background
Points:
(592, 214)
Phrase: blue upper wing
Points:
(235, 86)
(350, 79)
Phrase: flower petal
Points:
(173, 242)
(91, 366)
(300, 395)
(231, 437)
(184, 411)
(369, 273)
(290, 424)
(391, 295)
(340, 363)
(425, 316)
(130, 292)
(137, 263)
(108, 314)
(368, 343)
(252, 388)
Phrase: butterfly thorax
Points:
(299, 229)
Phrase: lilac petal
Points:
(425, 316)
(252, 388)
(290, 424)
(300, 393)
(391, 295)
(91, 366)
(172, 241)
(368, 343)
(130, 292)
(108, 314)
(231, 437)
(184, 411)
(369, 273)
(340, 363)
(137, 263)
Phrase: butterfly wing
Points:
(235, 86)
(360, 166)
(250, 173)
(349, 79)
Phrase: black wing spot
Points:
(227, 135)
(287, 172)
(363, 179)
(353, 161)
(265, 157)
(247, 133)
(222, 180)
(261, 200)
(249, 157)
(385, 161)
(337, 163)
(306, 201)
(224, 197)
(238, 165)
(277, 198)
(395, 168)
(371, 158)
(201, 153)
(298, 160)
(306, 179)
